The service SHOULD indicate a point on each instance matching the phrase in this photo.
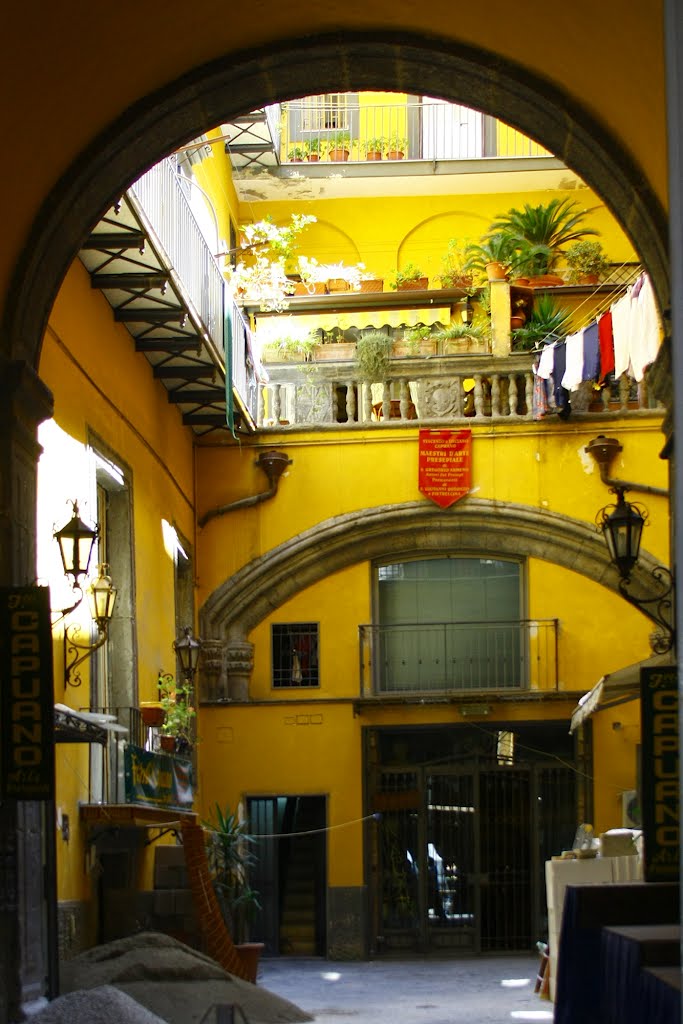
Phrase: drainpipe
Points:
(604, 450)
(273, 464)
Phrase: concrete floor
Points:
(496, 990)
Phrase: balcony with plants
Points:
(461, 347)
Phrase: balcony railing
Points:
(468, 389)
(431, 130)
(164, 204)
(458, 657)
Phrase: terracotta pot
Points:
(341, 350)
(313, 158)
(373, 154)
(250, 954)
(317, 288)
(338, 284)
(496, 272)
(338, 155)
(152, 715)
(394, 154)
(517, 321)
(167, 744)
(545, 281)
(373, 285)
(588, 279)
(411, 286)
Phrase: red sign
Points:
(445, 461)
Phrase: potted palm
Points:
(230, 856)
(587, 262)
(539, 235)
(548, 322)
(491, 257)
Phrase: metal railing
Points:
(243, 363)
(428, 130)
(453, 389)
(458, 657)
(162, 201)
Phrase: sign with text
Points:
(27, 696)
(158, 780)
(445, 462)
(660, 771)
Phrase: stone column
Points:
(213, 678)
(25, 944)
(240, 665)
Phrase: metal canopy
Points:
(615, 688)
(146, 296)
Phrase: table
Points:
(588, 909)
(630, 994)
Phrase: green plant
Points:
(373, 356)
(297, 153)
(397, 144)
(230, 855)
(586, 259)
(179, 713)
(457, 329)
(339, 140)
(376, 145)
(539, 234)
(312, 145)
(300, 347)
(548, 322)
(410, 273)
(493, 248)
(454, 272)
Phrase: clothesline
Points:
(622, 339)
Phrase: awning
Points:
(73, 726)
(615, 688)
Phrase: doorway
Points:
(290, 872)
(461, 845)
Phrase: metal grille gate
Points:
(459, 854)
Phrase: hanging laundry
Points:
(573, 374)
(561, 394)
(591, 352)
(645, 336)
(621, 333)
(606, 344)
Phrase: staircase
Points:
(298, 909)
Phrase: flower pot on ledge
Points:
(152, 715)
(167, 744)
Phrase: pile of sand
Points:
(173, 981)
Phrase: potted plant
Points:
(454, 273)
(373, 356)
(411, 277)
(587, 262)
(459, 337)
(397, 147)
(338, 145)
(341, 278)
(230, 855)
(491, 257)
(179, 714)
(290, 349)
(416, 341)
(373, 148)
(313, 150)
(296, 154)
(548, 322)
(540, 233)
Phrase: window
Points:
(319, 116)
(295, 654)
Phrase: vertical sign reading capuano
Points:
(660, 768)
(26, 695)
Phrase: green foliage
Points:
(454, 272)
(397, 144)
(293, 347)
(373, 356)
(410, 272)
(539, 234)
(179, 713)
(339, 140)
(376, 145)
(230, 855)
(457, 329)
(548, 322)
(493, 248)
(297, 153)
(312, 145)
(586, 258)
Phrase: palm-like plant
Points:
(230, 857)
(538, 234)
(495, 247)
(548, 322)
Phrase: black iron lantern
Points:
(622, 525)
(188, 650)
(76, 542)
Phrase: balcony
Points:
(458, 658)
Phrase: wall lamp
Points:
(466, 310)
(76, 542)
(188, 650)
(622, 526)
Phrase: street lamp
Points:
(188, 650)
(101, 599)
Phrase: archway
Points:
(472, 526)
(216, 92)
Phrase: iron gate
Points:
(459, 854)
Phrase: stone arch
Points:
(474, 525)
(215, 92)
